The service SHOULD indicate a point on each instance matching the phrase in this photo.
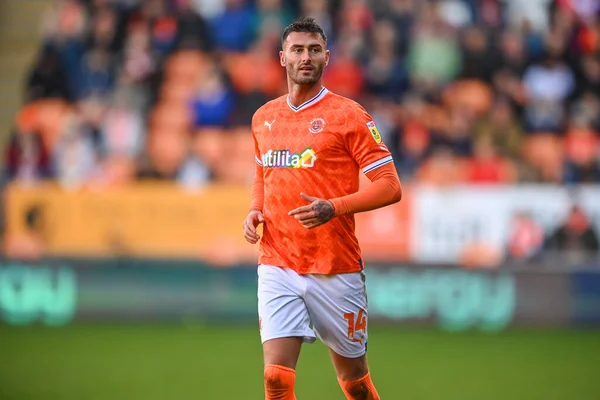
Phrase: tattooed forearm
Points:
(323, 210)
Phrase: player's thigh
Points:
(283, 316)
(282, 351)
(338, 308)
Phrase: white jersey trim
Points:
(258, 161)
(377, 164)
(310, 102)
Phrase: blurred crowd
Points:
(476, 91)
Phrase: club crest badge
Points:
(316, 125)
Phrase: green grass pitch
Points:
(151, 362)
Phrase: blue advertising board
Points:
(61, 292)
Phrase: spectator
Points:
(138, 66)
(214, 101)
(582, 147)
(271, 18)
(96, 75)
(27, 159)
(385, 73)
(548, 84)
(344, 74)
(477, 55)
(575, 239)
(318, 9)
(122, 129)
(48, 77)
(434, 54)
(512, 55)
(233, 28)
(501, 127)
(412, 149)
(194, 174)
(193, 30)
(104, 31)
(488, 167)
(74, 156)
(525, 238)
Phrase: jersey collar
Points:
(310, 102)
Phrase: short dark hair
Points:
(303, 24)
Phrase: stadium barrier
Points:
(430, 225)
(58, 292)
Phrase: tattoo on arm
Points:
(323, 211)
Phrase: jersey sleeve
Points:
(257, 155)
(258, 189)
(364, 142)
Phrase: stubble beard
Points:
(297, 76)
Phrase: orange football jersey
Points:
(318, 148)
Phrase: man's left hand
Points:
(318, 212)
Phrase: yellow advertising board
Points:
(145, 220)
(161, 220)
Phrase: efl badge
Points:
(374, 132)
(316, 125)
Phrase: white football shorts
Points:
(330, 307)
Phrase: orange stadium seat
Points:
(167, 149)
(545, 152)
(242, 142)
(480, 255)
(210, 144)
(237, 171)
(241, 171)
(171, 116)
(27, 245)
(472, 94)
(435, 117)
(229, 153)
(442, 170)
(116, 171)
(47, 117)
(250, 72)
(176, 92)
(185, 66)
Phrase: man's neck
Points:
(299, 94)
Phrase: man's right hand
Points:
(254, 218)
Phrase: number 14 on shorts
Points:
(356, 324)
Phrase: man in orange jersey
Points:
(310, 147)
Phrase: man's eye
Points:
(316, 50)
(298, 50)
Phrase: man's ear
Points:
(282, 58)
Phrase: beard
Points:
(306, 77)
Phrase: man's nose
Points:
(306, 56)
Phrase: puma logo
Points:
(269, 124)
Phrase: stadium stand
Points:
(462, 91)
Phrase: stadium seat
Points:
(480, 255)
(176, 92)
(434, 117)
(472, 94)
(237, 171)
(442, 169)
(544, 151)
(116, 171)
(170, 116)
(167, 149)
(46, 117)
(243, 142)
(210, 145)
(250, 72)
(185, 66)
